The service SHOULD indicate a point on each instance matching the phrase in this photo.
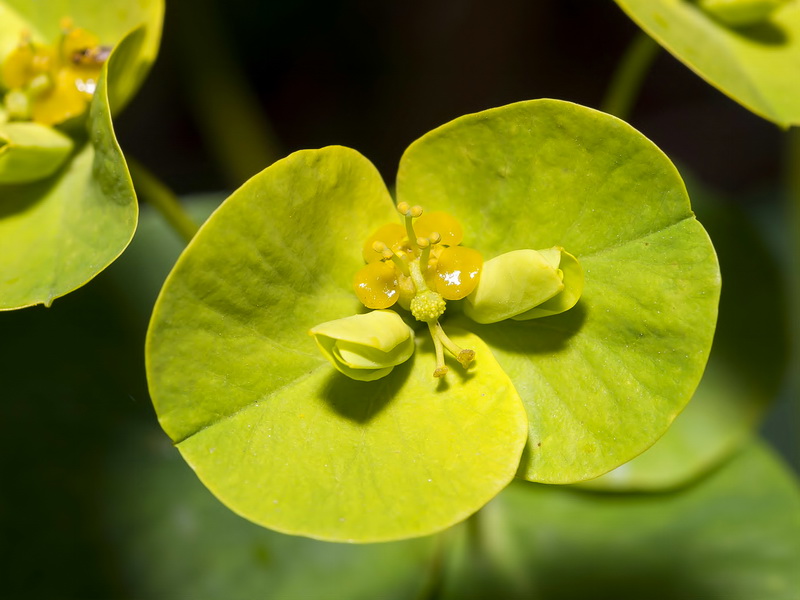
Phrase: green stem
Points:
(227, 111)
(630, 73)
(792, 170)
(153, 191)
(435, 583)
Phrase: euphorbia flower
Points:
(420, 265)
(64, 68)
(287, 441)
(52, 83)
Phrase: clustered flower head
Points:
(51, 84)
(420, 265)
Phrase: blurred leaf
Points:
(267, 423)
(171, 538)
(602, 381)
(746, 367)
(734, 535)
(755, 65)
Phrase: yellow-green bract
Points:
(284, 439)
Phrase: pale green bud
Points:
(740, 13)
(365, 347)
(30, 151)
(525, 284)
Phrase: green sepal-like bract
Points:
(740, 13)
(365, 347)
(571, 278)
(29, 151)
(525, 284)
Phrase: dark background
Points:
(78, 426)
(376, 75)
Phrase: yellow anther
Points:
(440, 371)
(403, 208)
(423, 242)
(390, 235)
(415, 212)
(465, 357)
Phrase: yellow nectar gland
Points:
(419, 264)
(50, 84)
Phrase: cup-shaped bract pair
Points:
(31, 151)
(365, 347)
(69, 204)
(526, 284)
(286, 440)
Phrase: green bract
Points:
(365, 347)
(738, 384)
(65, 218)
(756, 64)
(284, 439)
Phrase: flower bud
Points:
(29, 151)
(365, 347)
(525, 284)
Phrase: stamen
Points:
(382, 249)
(412, 237)
(387, 254)
(399, 263)
(425, 256)
(441, 368)
(463, 355)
